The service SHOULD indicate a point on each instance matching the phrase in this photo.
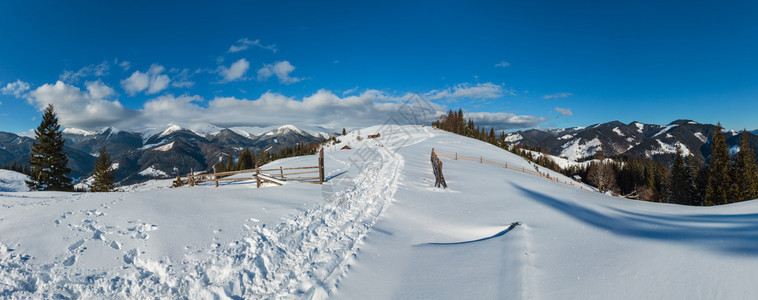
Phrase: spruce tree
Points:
(104, 179)
(246, 160)
(344, 132)
(745, 172)
(719, 181)
(48, 162)
(679, 185)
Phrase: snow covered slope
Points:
(11, 181)
(378, 229)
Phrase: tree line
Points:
(248, 160)
(723, 178)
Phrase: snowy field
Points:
(377, 230)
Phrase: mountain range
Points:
(166, 152)
(638, 139)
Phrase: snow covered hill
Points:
(378, 229)
(11, 181)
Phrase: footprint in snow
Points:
(69, 261)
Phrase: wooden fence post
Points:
(321, 166)
(257, 179)
(480, 159)
(214, 175)
(192, 177)
(281, 172)
(456, 155)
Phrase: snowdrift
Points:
(377, 229)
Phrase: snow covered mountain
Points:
(615, 138)
(377, 229)
(170, 151)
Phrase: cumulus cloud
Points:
(98, 70)
(244, 43)
(125, 65)
(467, 91)
(153, 81)
(92, 108)
(16, 88)
(557, 95)
(280, 69)
(136, 83)
(96, 107)
(564, 111)
(503, 121)
(502, 64)
(235, 71)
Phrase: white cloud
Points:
(98, 70)
(557, 95)
(81, 109)
(502, 121)
(564, 111)
(96, 107)
(16, 88)
(235, 71)
(281, 69)
(125, 65)
(502, 64)
(136, 83)
(181, 79)
(244, 43)
(153, 81)
(98, 90)
(350, 91)
(467, 91)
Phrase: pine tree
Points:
(49, 171)
(719, 181)
(344, 132)
(104, 179)
(745, 171)
(693, 168)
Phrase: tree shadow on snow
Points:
(732, 233)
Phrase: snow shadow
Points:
(731, 233)
(499, 234)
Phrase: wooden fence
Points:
(439, 179)
(276, 175)
(483, 160)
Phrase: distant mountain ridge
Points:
(172, 150)
(616, 138)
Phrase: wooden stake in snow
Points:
(321, 166)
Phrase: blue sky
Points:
(512, 64)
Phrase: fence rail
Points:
(482, 160)
(276, 176)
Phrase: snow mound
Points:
(12, 181)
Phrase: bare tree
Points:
(602, 176)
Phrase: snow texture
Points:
(378, 229)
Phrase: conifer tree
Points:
(344, 132)
(745, 172)
(679, 180)
(719, 181)
(103, 177)
(246, 160)
(230, 164)
(48, 162)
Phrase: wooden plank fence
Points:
(276, 175)
(439, 179)
(482, 160)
